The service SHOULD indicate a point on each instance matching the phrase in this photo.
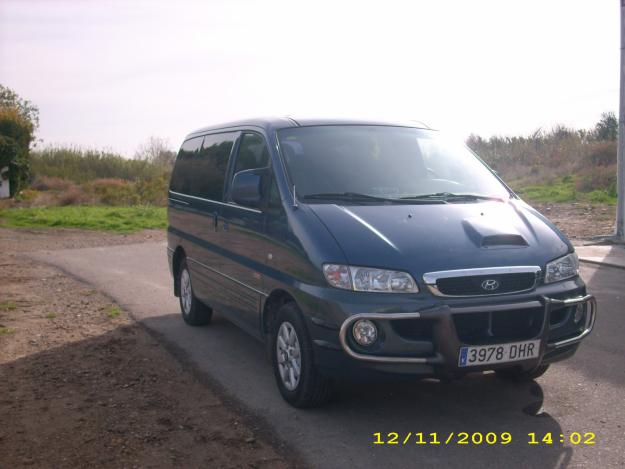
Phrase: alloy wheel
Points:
(289, 356)
(186, 294)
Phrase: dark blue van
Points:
(362, 249)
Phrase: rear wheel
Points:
(519, 375)
(298, 379)
(194, 312)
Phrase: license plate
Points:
(498, 353)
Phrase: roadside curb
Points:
(602, 263)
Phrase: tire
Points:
(518, 375)
(308, 388)
(194, 312)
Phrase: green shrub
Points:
(19, 119)
(80, 165)
(27, 195)
(48, 183)
(546, 156)
(601, 196)
(603, 153)
(16, 135)
(113, 192)
(73, 196)
(153, 191)
(597, 177)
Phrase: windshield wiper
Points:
(357, 197)
(445, 196)
(344, 196)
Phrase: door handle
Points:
(215, 221)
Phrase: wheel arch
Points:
(276, 299)
(179, 255)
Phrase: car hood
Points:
(434, 237)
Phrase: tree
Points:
(607, 127)
(10, 99)
(561, 132)
(475, 142)
(18, 120)
(157, 151)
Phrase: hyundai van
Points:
(362, 249)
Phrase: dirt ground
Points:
(82, 385)
(580, 222)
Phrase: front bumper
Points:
(448, 340)
(437, 352)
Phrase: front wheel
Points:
(299, 381)
(519, 375)
(194, 312)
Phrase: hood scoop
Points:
(489, 232)
(503, 240)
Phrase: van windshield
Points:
(369, 163)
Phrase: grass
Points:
(50, 316)
(564, 190)
(7, 306)
(5, 330)
(113, 312)
(601, 196)
(561, 191)
(91, 217)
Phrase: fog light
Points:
(580, 311)
(365, 332)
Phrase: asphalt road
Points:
(584, 394)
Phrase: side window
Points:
(253, 153)
(180, 176)
(214, 154)
(200, 168)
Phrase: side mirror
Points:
(247, 188)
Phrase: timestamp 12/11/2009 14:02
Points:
(480, 438)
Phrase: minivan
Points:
(363, 250)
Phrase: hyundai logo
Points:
(490, 285)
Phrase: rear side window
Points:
(187, 157)
(201, 165)
(214, 155)
(253, 153)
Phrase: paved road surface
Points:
(584, 394)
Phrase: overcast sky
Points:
(111, 74)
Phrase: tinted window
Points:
(180, 179)
(382, 161)
(201, 165)
(214, 154)
(253, 153)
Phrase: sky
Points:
(111, 74)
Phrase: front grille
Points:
(518, 324)
(413, 329)
(475, 284)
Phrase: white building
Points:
(4, 183)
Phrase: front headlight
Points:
(563, 268)
(369, 279)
